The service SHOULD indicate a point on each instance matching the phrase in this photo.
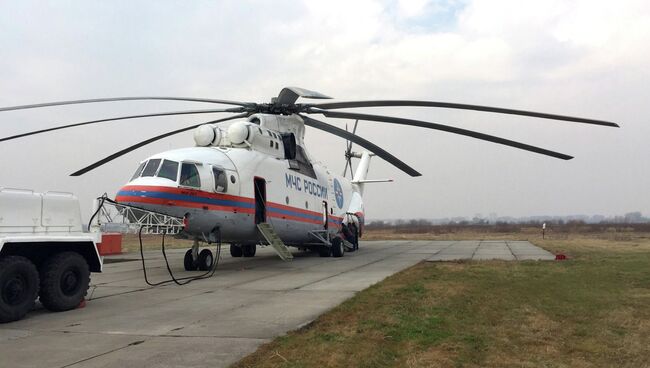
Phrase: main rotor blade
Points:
(188, 112)
(347, 151)
(289, 95)
(150, 140)
(113, 99)
(446, 128)
(450, 105)
(362, 142)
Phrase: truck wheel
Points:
(18, 287)
(205, 260)
(188, 261)
(249, 250)
(337, 247)
(235, 250)
(64, 281)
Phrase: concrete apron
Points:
(217, 321)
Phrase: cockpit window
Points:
(220, 180)
(151, 168)
(190, 176)
(168, 170)
(138, 171)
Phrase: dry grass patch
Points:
(589, 311)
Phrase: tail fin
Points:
(362, 170)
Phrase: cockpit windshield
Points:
(138, 171)
(151, 168)
(168, 170)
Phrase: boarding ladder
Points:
(274, 240)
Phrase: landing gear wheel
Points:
(64, 281)
(236, 250)
(337, 247)
(249, 250)
(324, 251)
(18, 287)
(205, 260)
(188, 261)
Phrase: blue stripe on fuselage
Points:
(186, 198)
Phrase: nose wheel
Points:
(203, 262)
(195, 260)
(188, 261)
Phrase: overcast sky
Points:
(583, 58)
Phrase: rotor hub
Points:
(279, 109)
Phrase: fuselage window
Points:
(220, 180)
(190, 176)
(271, 142)
(304, 166)
(276, 145)
(138, 171)
(151, 168)
(168, 170)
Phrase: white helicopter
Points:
(252, 180)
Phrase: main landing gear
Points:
(246, 250)
(336, 249)
(195, 260)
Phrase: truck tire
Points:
(64, 281)
(337, 247)
(18, 287)
(205, 260)
(249, 250)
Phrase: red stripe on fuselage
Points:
(187, 204)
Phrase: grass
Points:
(131, 243)
(592, 310)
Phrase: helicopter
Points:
(249, 178)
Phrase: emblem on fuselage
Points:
(338, 193)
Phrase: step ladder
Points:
(274, 240)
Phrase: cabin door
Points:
(325, 209)
(260, 200)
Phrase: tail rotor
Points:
(348, 152)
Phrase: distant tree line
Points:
(633, 221)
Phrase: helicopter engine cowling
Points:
(207, 135)
(238, 132)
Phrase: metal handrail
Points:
(131, 219)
